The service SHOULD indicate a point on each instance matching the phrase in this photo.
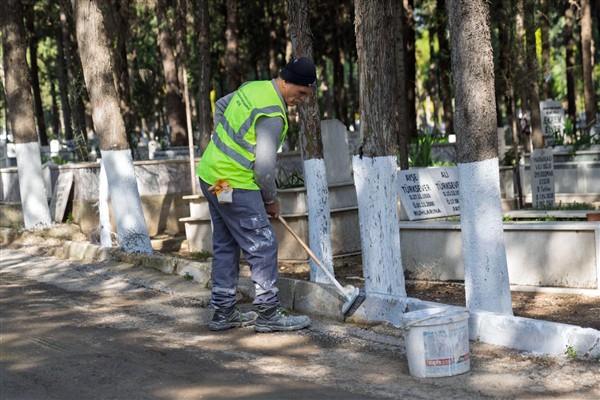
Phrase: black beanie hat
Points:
(300, 71)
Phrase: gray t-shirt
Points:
(268, 130)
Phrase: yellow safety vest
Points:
(231, 153)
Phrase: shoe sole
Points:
(270, 328)
(225, 327)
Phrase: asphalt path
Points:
(74, 331)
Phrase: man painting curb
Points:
(237, 177)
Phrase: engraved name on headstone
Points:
(429, 192)
(553, 120)
(542, 178)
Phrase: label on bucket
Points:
(445, 349)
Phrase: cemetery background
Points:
(162, 209)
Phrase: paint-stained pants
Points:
(242, 224)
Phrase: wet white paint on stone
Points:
(486, 270)
(103, 211)
(319, 221)
(126, 204)
(34, 201)
(375, 181)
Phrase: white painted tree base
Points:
(486, 270)
(34, 202)
(377, 194)
(127, 207)
(103, 209)
(319, 221)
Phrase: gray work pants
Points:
(242, 224)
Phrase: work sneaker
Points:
(231, 317)
(277, 318)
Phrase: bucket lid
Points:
(433, 316)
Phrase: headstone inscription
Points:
(429, 192)
(542, 178)
(553, 121)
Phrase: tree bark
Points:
(63, 87)
(96, 58)
(232, 56)
(570, 60)
(445, 69)
(411, 67)
(36, 213)
(174, 91)
(76, 86)
(519, 75)
(486, 271)
(545, 32)
(35, 81)
(591, 107)
(403, 105)
(121, 34)
(205, 122)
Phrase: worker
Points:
(237, 177)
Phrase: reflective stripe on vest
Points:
(238, 137)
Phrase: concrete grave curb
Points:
(519, 333)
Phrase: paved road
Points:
(73, 331)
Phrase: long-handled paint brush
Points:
(353, 296)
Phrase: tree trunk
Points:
(537, 137)
(35, 81)
(315, 176)
(445, 68)
(570, 59)
(76, 85)
(96, 58)
(174, 92)
(55, 113)
(36, 213)
(545, 33)
(273, 39)
(338, 59)
(486, 271)
(121, 34)
(507, 69)
(591, 107)
(63, 87)
(520, 72)
(232, 56)
(411, 68)
(375, 165)
(205, 122)
(402, 112)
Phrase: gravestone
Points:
(60, 197)
(553, 120)
(429, 192)
(335, 152)
(542, 178)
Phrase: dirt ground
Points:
(572, 309)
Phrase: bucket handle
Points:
(411, 323)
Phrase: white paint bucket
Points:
(437, 342)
